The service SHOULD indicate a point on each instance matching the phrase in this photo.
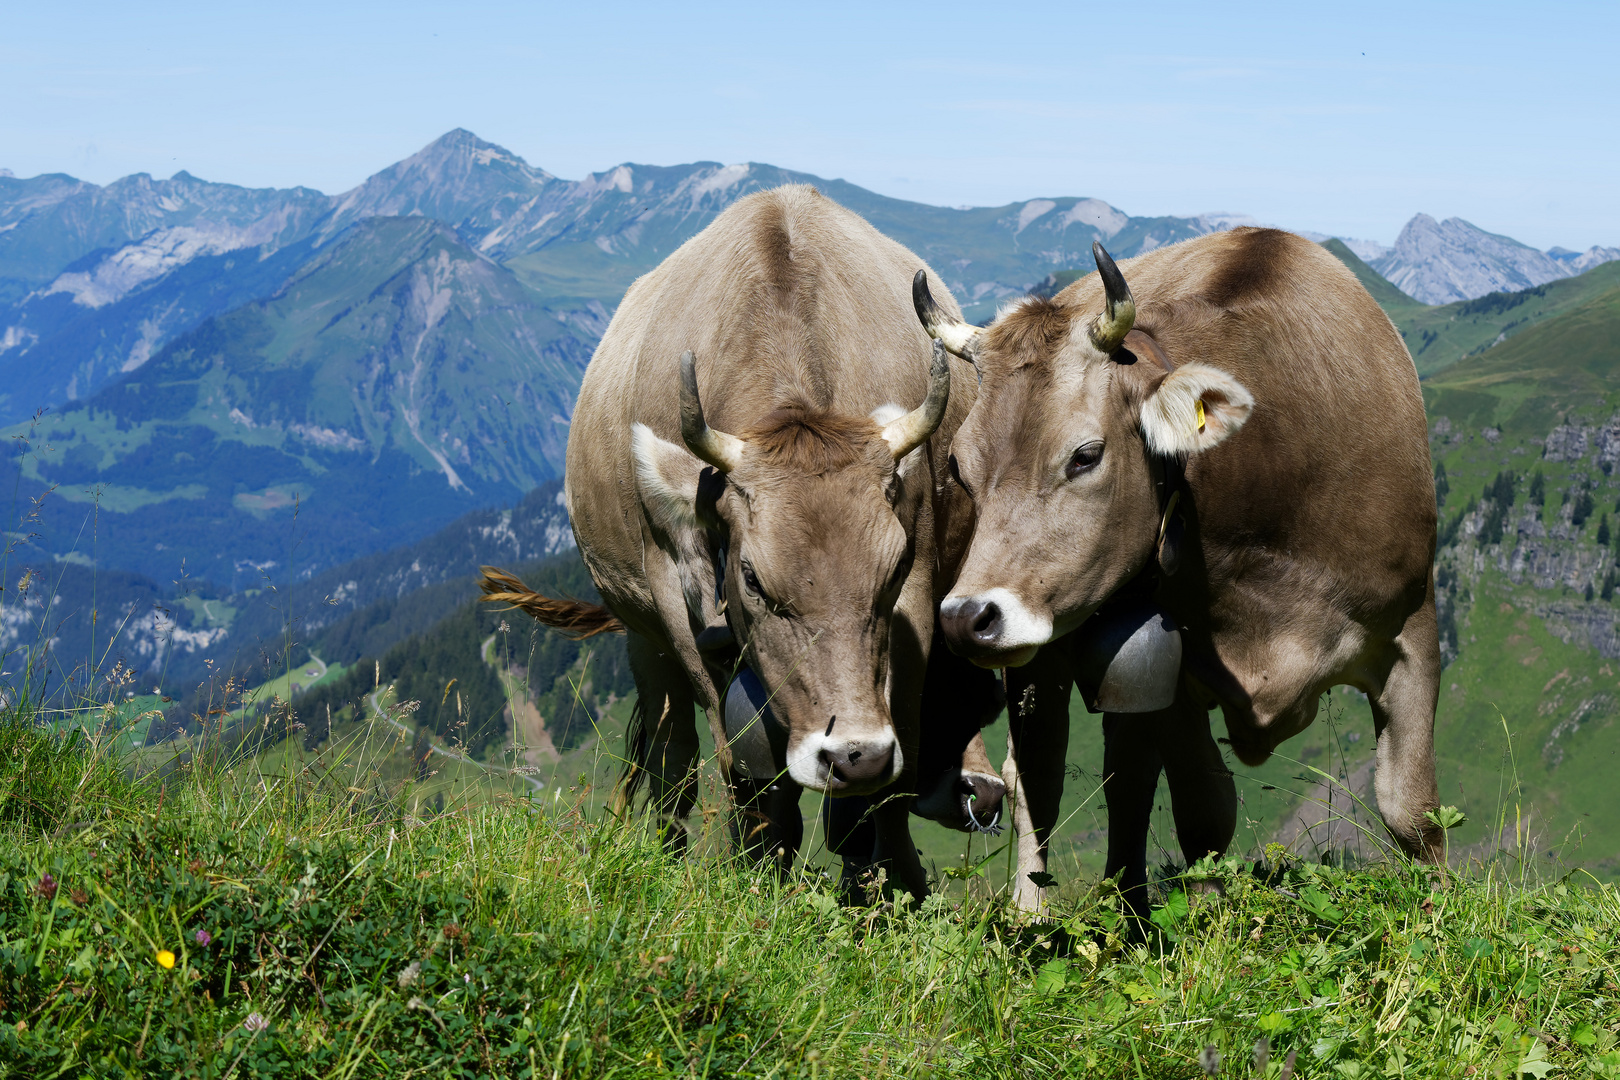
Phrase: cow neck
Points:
(1169, 476)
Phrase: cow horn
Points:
(918, 426)
(958, 336)
(1108, 330)
(719, 449)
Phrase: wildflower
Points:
(256, 1022)
(165, 958)
(503, 628)
(410, 974)
(204, 937)
(46, 887)
(452, 931)
(79, 897)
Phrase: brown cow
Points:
(1242, 446)
(739, 471)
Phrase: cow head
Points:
(1057, 455)
(811, 514)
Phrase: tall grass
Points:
(315, 918)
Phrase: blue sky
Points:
(1344, 118)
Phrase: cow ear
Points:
(666, 479)
(1194, 408)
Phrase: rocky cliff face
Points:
(1439, 262)
(48, 224)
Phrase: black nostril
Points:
(855, 764)
(987, 623)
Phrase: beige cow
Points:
(1241, 446)
(756, 457)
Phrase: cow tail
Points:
(577, 620)
(636, 739)
(572, 618)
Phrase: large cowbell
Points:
(1127, 659)
(757, 739)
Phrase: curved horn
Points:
(917, 426)
(957, 336)
(716, 447)
(1108, 330)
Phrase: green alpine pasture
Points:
(235, 920)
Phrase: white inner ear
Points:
(666, 478)
(1170, 420)
(884, 415)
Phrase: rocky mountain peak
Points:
(1439, 262)
(456, 176)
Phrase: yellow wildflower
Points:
(165, 958)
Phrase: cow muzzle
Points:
(966, 801)
(993, 629)
(840, 765)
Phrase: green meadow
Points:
(330, 916)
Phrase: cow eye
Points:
(1084, 460)
(898, 578)
(751, 580)
(956, 474)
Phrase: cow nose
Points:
(973, 621)
(857, 763)
(981, 798)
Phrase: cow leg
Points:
(669, 756)
(851, 835)
(1037, 749)
(1130, 778)
(910, 635)
(894, 850)
(766, 827)
(1403, 716)
(1203, 794)
(956, 783)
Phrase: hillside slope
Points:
(1391, 299)
(396, 381)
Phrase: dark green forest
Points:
(460, 694)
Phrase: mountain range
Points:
(265, 383)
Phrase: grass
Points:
(248, 921)
(1442, 335)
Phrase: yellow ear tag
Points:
(1200, 416)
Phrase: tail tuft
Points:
(572, 618)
